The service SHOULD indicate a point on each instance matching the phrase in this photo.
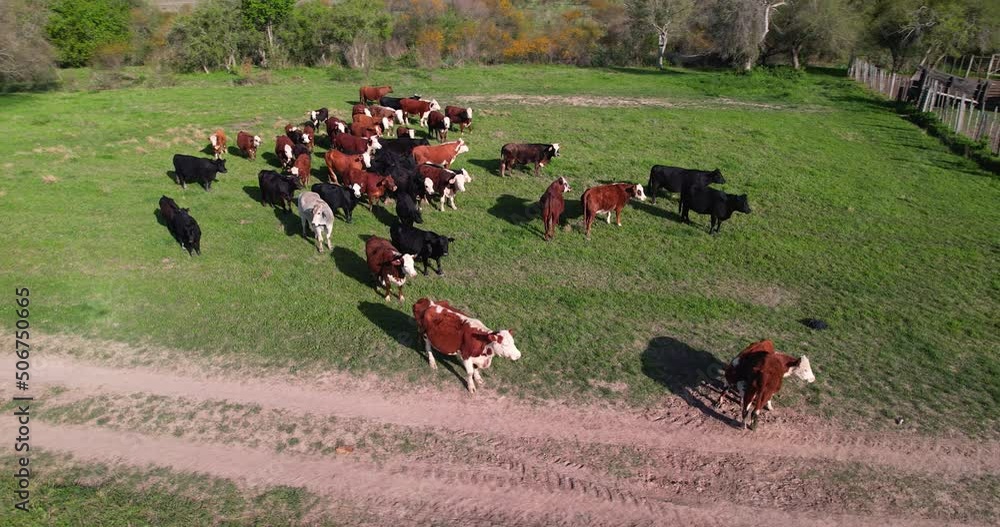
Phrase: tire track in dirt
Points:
(423, 495)
(597, 101)
(458, 412)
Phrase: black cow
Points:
(393, 102)
(714, 202)
(406, 209)
(338, 197)
(190, 169)
(425, 245)
(676, 179)
(277, 189)
(181, 225)
(318, 116)
(526, 154)
(402, 168)
(403, 145)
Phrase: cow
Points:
(460, 116)
(716, 203)
(318, 116)
(362, 109)
(315, 213)
(443, 154)
(680, 180)
(302, 168)
(373, 186)
(608, 198)
(338, 197)
(350, 144)
(553, 206)
(190, 169)
(181, 225)
(444, 182)
(284, 151)
(418, 107)
(424, 245)
(453, 332)
(388, 266)
(512, 154)
(365, 131)
(394, 115)
(380, 123)
(338, 163)
(248, 144)
(277, 189)
(403, 131)
(394, 102)
(757, 374)
(294, 133)
(406, 209)
(403, 145)
(309, 136)
(438, 125)
(218, 140)
(335, 126)
(373, 93)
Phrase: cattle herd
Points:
(365, 165)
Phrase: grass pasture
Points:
(858, 218)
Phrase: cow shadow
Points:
(254, 193)
(684, 371)
(291, 222)
(235, 152)
(271, 159)
(490, 165)
(518, 212)
(656, 210)
(208, 150)
(320, 174)
(173, 177)
(383, 215)
(159, 217)
(352, 265)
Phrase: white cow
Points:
(317, 214)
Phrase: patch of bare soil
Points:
(445, 457)
(593, 101)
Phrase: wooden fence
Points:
(966, 111)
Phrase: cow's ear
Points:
(511, 331)
(496, 337)
(451, 181)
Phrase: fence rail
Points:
(950, 101)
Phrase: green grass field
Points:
(858, 218)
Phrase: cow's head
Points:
(387, 183)
(460, 179)
(320, 217)
(293, 179)
(802, 369)
(305, 139)
(256, 141)
(192, 236)
(565, 184)
(428, 186)
(435, 105)
(439, 245)
(468, 113)
(639, 193)
(399, 116)
(502, 343)
(220, 166)
(373, 144)
(356, 190)
(740, 203)
(405, 261)
(366, 160)
(295, 171)
(462, 147)
(715, 176)
(288, 152)
(447, 123)
(554, 149)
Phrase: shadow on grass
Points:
(291, 222)
(235, 152)
(400, 326)
(659, 211)
(271, 159)
(519, 212)
(383, 215)
(682, 370)
(490, 165)
(352, 265)
(646, 71)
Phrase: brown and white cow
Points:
(438, 125)
(418, 107)
(738, 372)
(218, 140)
(389, 266)
(453, 332)
(350, 144)
(553, 206)
(443, 182)
(460, 116)
(374, 186)
(608, 198)
(302, 167)
(760, 375)
(395, 116)
(338, 163)
(403, 131)
(443, 154)
(362, 109)
(248, 144)
(283, 149)
(308, 136)
(373, 93)
(538, 154)
(335, 126)
(365, 131)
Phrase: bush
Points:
(78, 27)
(111, 55)
(27, 60)
(429, 46)
(212, 36)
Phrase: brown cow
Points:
(438, 125)
(737, 372)
(350, 144)
(443, 182)
(396, 116)
(419, 108)
(309, 136)
(218, 140)
(460, 116)
(607, 198)
(283, 149)
(763, 372)
(553, 206)
(362, 109)
(538, 154)
(443, 154)
(301, 168)
(388, 266)
(453, 332)
(375, 186)
(403, 131)
(248, 144)
(335, 126)
(338, 163)
(364, 131)
(373, 93)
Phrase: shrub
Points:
(78, 27)
(27, 60)
(430, 42)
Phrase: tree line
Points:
(229, 34)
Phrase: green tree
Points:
(659, 17)
(264, 15)
(814, 28)
(740, 27)
(212, 36)
(78, 27)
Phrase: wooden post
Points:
(960, 117)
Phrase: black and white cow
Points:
(318, 116)
(190, 169)
(338, 197)
(425, 245)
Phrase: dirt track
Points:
(490, 460)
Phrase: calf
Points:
(364, 130)
(393, 114)
(317, 214)
(443, 182)
(443, 154)
(379, 123)
(453, 332)
(764, 372)
(338, 197)
(248, 144)
(308, 137)
(607, 198)
(338, 163)
(512, 154)
(181, 225)
(284, 151)
(680, 180)
(406, 209)
(419, 108)
(190, 169)
(460, 116)
(277, 189)
(394, 102)
(373, 93)
(424, 245)
(403, 131)
(350, 144)
(388, 266)
(719, 205)
(362, 109)
(318, 116)
(438, 125)
(553, 206)
(374, 186)
(335, 126)
(737, 372)
(218, 140)
(303, 164)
